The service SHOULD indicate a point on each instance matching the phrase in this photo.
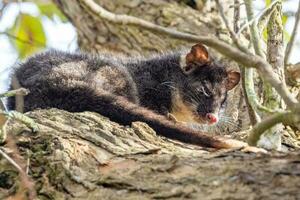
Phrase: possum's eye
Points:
(204, 91)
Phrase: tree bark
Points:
(271, 139)
(95, 35)
(85, 156)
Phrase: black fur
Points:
(117, 88)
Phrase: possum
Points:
(166, 91)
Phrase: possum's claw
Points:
(172, 118)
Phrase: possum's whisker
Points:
(168, 84)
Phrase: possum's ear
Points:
(198, 54)
(197, 57)
(233, 78)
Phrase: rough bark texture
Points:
(96, 35)
(271, 139)
(85, 156)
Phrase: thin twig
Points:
(257, 17)
(28, 162)
(221, 10)
(256, 41)
(246, 59)
(19, 99)
(33, 42)
(292, 41)
(246, 79)
(254, 117)
(4, 4)
(11, 161)
(2, 105)
(20, 91)
(233, 35)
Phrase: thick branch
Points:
(85, 156)
(275, 56)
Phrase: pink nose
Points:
(212, 118)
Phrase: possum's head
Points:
(204, 88)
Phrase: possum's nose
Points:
(212, 118)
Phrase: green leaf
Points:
(268, 2)
(27, 35)
(50, 10)
(284, 19)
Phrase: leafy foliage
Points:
(27, 34)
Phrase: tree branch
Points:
(34, 42)
(246, 80)
(253, 29)
(259, 17)
(20, 91)
(231, 32)
(292, 41)
(285, 117)
(19, 98)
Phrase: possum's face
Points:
(204, 89)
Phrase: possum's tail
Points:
(122, 111)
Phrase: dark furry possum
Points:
(166, 91)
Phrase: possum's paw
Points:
(251, 149)
(172, 118)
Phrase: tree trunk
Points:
(97, 35)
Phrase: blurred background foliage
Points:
(30, 26)
(27, 33)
